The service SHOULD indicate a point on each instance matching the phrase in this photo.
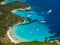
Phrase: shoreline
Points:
(15, 39)
(28, 8)
(3, 2)
(11, 35)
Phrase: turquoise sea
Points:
(41, 23)
(34, 29)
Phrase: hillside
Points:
(9, 19)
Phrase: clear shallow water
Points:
(35, 29)
(8, 1)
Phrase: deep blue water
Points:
(35, 29)
(53, 19)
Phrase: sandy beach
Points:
(12, 36)
(10, 33)
(14, 10)
(57, 42)
(2, 3)
(28, 8)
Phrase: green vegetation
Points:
(1, 0)
(7, 42)
(9, 19)
(13, 5)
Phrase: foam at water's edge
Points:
(12, 36)
(40, 21)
